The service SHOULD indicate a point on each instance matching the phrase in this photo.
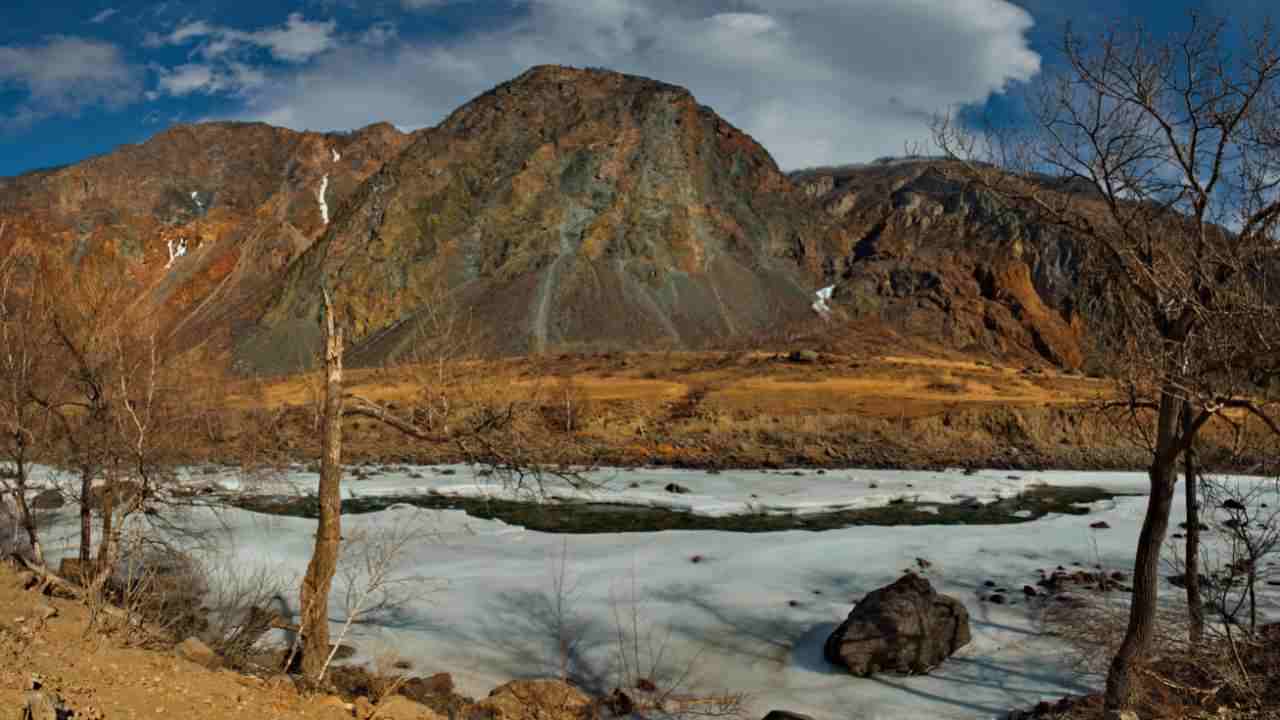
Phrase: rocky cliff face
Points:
(198, 221)
(566, 209)
(934, 258)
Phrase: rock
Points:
(1100, 525)
(676, 488)
(47, 500)
(1029, 591)
(906, 627)
(997, 599)
(803, 356)
(27, 580)
(785, 715)
(1120, 715)
(363, 708)
(334, 701)
(1233, 504)
(44, 705)
(619, 703)
(399, 707)
(194, 650)
(438, 684)
(535, 700)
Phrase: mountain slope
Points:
(566, 209)
(936, 259)
(198, 221)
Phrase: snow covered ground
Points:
(750, 615)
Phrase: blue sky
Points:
(816, 81)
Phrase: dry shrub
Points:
(239, 610)
(168, 595)
(1178, 678)
(160, 590)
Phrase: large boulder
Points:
(906, 627)
(536, 700)
(47, 500)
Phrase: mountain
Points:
(564, 210)
(200, 221)
(935, 258)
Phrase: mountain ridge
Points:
(563, 210)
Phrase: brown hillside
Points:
(242, 197)
(566, 209)
(936, 259)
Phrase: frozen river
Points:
(742, 612)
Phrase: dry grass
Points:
(717, 409)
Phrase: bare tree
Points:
(25, 433)
(372, 577)
(1161, 158)
(475, 438)
(324, 558)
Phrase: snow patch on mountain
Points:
(324, 206)
(176, 250)
(822, 304)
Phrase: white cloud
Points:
(103, 16)
(816, 81)
(230, 77)
(186, 79)
(64, 75)
(227, 54)
(298, 40)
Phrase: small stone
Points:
(676, 488)
(1029, 591)
(194, 650)
(785, 715)
(620, 703)
(1100, 525)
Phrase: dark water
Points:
(588, 517)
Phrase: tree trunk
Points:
(86, 518)
(1195, 605)
(29, 525)
(1146, 569)
(324, 559)
(25, 516)
(107, 545)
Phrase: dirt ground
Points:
(100, 678)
